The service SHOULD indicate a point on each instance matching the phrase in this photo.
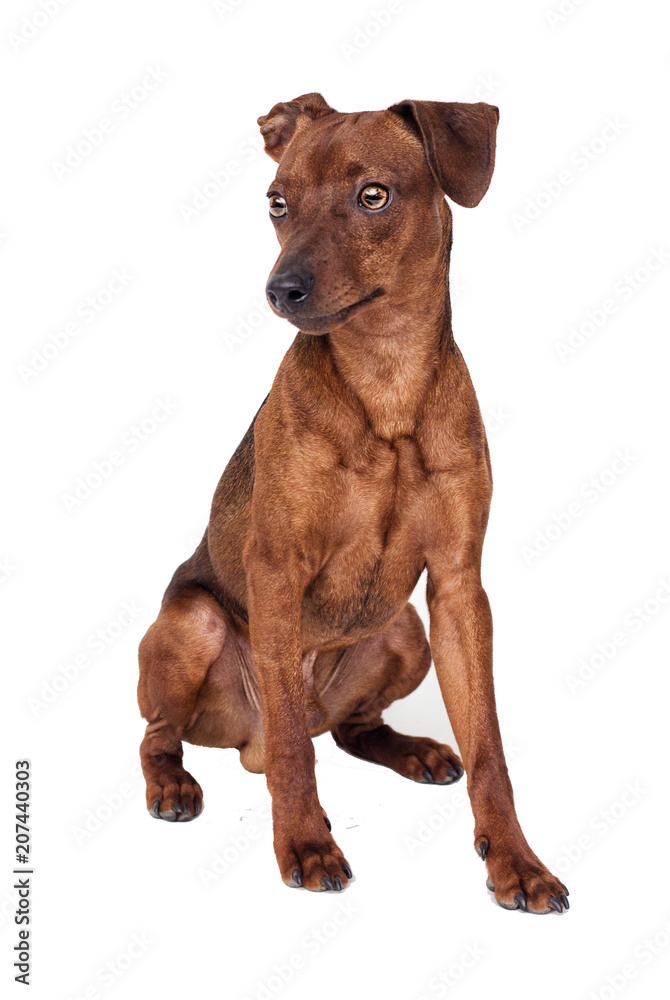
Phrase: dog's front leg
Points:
(461, 634)
(306, 853)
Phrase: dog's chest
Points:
(372, 552)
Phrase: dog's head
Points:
(358, 203)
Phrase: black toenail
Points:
(454, 773)
(338, 883)
(564, 899)
(564, 888)
(347, 871)
(428, 777)
(196, 809)
(157, 807)
(483, 848)
(520, 900)
(297, 877)
(328, 823)
(325, 881)
(490, 886)
(554, 904)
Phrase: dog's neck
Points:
(391, 372)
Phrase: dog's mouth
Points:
(310, 323)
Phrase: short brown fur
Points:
(367, 463)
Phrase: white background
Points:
(182, 331)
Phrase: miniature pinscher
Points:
(366, 464)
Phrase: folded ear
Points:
(278, 126)
(460, 144)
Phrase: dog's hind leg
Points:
(175, 656)
(393, 664)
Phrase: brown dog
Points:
(366, 464)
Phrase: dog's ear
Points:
(278, 126)
(460, 144)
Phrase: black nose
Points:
(288, 291)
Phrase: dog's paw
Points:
(441, 765)
(424, 760)
(175, 797)
(317, 864)
(523, 883)
(415, 757)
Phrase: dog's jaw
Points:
(324, 324)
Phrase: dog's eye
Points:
(278, 205)
(373, 196)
